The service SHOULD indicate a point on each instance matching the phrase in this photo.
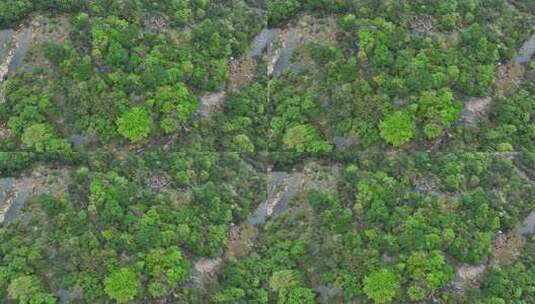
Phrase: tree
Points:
(427, 272)
(287, 283)
(512, 283)
(284, 279)
(243, 143)
(382, 57)
(157, 289)
(304, 138)
(12, 10)
(229, 295)
(42, 138)
(20, 287)
(381, 286)
(348, 22)
(167, 265)
(279, 10)
(477, 80)
(35, 136)
(297, 295)
(175, 104)
(27, 289)
(397, 128)
(135, 124)
(439, 110)
(122, 285)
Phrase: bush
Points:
(397, 128)
(135, 124)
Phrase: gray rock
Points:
(261, 41)
(76, 140)
(23, 44)
(341, 142)
(526, 51)
(281, 189)
(23, 192)
(528, 227)
(286, 52)
(5, 37)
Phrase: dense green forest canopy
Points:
(360, 227)
(390, 229)
(375, 75)
(277, 151)
(398, 73)
(125, 70)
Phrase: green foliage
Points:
(512, 283)
(243, 143)
(427, 273)
(229, 295)
(511, 121)
(382, 234)
(352, 228)
(397, 128)
(391, 62)
(381, 286)
(284, 279)
(119, 55)
(303, 138)
(166, 268)
(13, 161)
(27, 289)
(135, 124)
(348, 22)
(280, 10)
(175, 105)
(41, 138)
(109, 215)
(382, 57)
(11, 11)
(298, 295)
(122, 285)
(378, 230)
(440, 109)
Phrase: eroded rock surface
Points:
(528, 226)
(261, 42)
(211, 101)
(475, 108)
(282, 187)
(205, 267)
(467, 274)
(13, 48)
